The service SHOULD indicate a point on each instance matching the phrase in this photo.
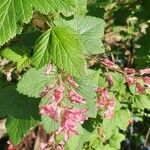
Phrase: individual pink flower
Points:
(140, 88)
(102, 102)
(10, 146)
(110, 64)
(102, 92)
(51, 139)
(48, 69)
(111, 104)
(43, 145)
(52, 110)
(108, 114)
(75, 97)
(147, 81)
(58, 93)
(9, 74)
(130, 80)
(71, 81)
(110, 79)
(145, 71)
(129, 71)
(70, 120)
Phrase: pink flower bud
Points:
(75, 97)
(140, 88)
(145, 71)
(10, 146)
(58, 94)
(110, 79)
(48, 69)
(71, 81)
(129, 71)
(51, 140)
(147, 81)
(108, 114)
(43, 145)
(110, 64)
(130, 80)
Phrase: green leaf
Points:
(46, 6)
(62, 45)
(120, 120)
(34, 81)
(87, 90)
(81, 7)
(17, 54)
(22, 112)
(141, 101)
(116, 139)
(118, 82)
(17, 105)
(19, 128)
(76, 141)
(42, 50)
(91, 30)
(49, 124)
(14, 13)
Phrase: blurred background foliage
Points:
(127, 42)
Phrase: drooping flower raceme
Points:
(110, 64)
(70, 120)
(106, 103)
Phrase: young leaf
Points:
(42, 50)
(141, 101)
(17, 54)
(116, 139)
(91, 30)
(34, 81)
(62, 45)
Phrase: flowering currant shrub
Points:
(60, 86)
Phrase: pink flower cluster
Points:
(105, 102)
(141, 83)
(52, 145)
(70, 120)
(69, 117)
